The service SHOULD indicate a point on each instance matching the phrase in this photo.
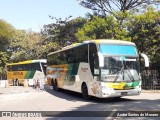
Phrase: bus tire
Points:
(117, 98)
(84, 90)
(54, 85)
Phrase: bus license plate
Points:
(123, 93)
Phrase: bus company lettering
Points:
(84, 69)
(17, 73)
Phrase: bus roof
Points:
(29, 61)
(97, 41)
(110, 41)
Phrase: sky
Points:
(33, 14)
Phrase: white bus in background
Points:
(100, 68)
(26, 71)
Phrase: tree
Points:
(6, 34)
(144, 30)
(102, 7)
(99, 28)
(62, 32)
(4, 58)
(25, 45)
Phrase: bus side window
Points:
(85, 54)
(71, 57)
(93, 59)
(63, 58)
(96, 62)
(12, 68)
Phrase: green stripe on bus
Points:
(69, 71)
(136, 83)
(132, 84)
(128, 84)
(72, 69)
(32, 74)
(27, 74)
(75, 69)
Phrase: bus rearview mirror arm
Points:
(101, 59)
(146, 59)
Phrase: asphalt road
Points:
(29, 99)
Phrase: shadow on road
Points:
(74, 96)
(64, 94)
(109, 111)
(98, 109)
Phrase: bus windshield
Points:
(121, 63)
(120, 69)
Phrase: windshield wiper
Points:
(124, 71)
(121, 72)
(130, 75)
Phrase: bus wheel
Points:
(54, 84)
(85, 92)
(117, 98)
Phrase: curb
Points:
(150, 91)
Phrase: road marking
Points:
(111, 115)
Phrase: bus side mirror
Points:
(146, 59)
(101, 59)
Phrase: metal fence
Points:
(151, 80)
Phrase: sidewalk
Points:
(17, 90)
(150, 91)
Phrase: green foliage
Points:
(144, 30)
(3, 60)
(62, 31)
(94, 29)
(6, 32)
(25, 45)
(99, 28)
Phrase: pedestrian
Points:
(42, 84)
(13, 81)
(37, 84)
(16, 82)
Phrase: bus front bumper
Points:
(120, 93)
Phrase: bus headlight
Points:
(138, 87)
(105, 88)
